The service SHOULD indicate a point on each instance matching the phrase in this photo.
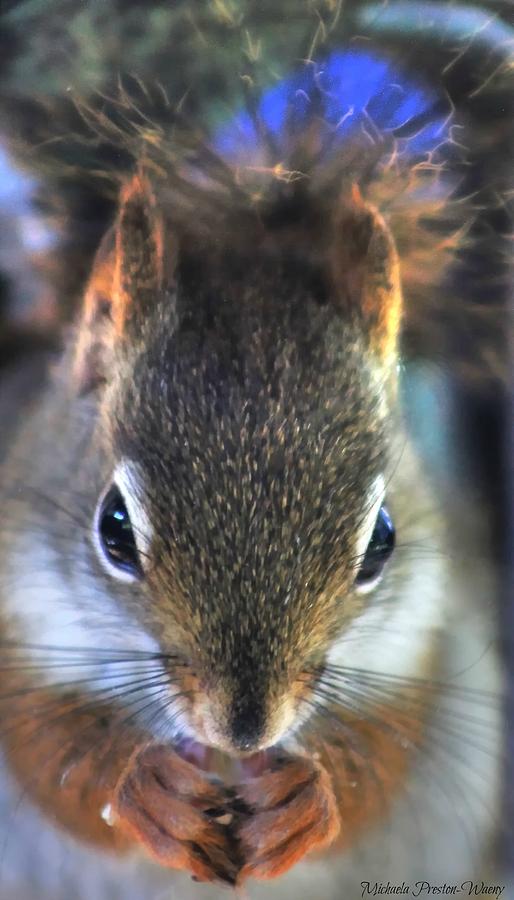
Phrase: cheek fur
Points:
(74, 633)
(399, 620)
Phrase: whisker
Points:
(333, 696)
(84, 705)
(414, 701)
(81, 682)
(369, 676)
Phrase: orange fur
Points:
(367, 272)
(139, 257)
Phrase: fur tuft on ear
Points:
(139, 253)
(367, 273)
(127, 276)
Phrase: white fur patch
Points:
(128, 478)
(372, 506)
(391, 636)
(78, 633)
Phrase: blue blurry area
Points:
(236, 137)
(349, 91)
(15, 189)
(427, 402)
(275, 103)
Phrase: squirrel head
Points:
(245, 382)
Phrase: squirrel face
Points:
(245, 409)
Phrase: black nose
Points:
(247, 723)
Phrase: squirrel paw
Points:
(292, 811)
(179, 816)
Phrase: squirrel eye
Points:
(379, 550)
(116, 535)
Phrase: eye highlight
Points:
(116, 536)
(378, 552)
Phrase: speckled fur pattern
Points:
(236, 368)
(439, 846)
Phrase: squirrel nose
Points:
(247, 724)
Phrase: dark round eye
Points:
(379, 549)
(116, 535)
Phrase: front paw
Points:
(177, 814)
(292, 811)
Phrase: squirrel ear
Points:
(127, 276)
(139, 254)
(367, 273)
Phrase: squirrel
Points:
(237, 645)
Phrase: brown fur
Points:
(239, 342)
